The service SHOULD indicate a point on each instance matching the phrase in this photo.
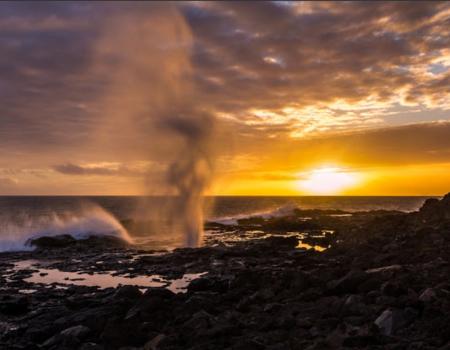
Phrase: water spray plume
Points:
(190, 173)
(151, 102)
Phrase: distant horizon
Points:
(213, 196)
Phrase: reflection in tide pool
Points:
(230, 238)
(103, 280)
(309, 246)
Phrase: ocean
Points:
(25, 217)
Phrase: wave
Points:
(18, 230)
(284, 210)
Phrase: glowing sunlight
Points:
(327, 181)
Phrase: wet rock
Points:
(385, 322)
(289, 224)
(199, 322)
(208, 284)
(304, 322)
(154, 343)
(347, 284)
(79, 332)
(354, 305)
(127, 292)
(153, 300)
(119, 333)
(94, 318)
(385, 272)
(48, 242)
(393, 289)
(436, 210)
(68, 338)
(427, 295)
(65, 241)
(393, 319)
(248, 344)
(282, 242)
(13, 304)
(91, 346)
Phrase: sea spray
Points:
(152, 107)
(190, 174)
(89, 219)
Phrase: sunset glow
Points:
(327, 181)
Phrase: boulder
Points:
(127, 292)
(49, 242)
(347, 284)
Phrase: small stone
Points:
(153, 344)
(385, 322)
(393, 319)
(79, 332)
(427, 295)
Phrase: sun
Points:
(327, 181)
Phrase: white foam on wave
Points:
(285, 210)
(89, 220)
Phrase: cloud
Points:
(327, 76)
(7, 182)
(108, 170)
(326, 53)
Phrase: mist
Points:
(152, 107)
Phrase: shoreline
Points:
(382, 284)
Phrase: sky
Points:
(281, 98)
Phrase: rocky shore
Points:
(381, 281)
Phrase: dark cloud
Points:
(264, 55)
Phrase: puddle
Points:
(27, 291)
(229, 238)
(103, 280)
(309, 246)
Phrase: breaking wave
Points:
(281, 211)
(16, 231)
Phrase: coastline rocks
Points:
(48, 242)
(66, 241)
(383, 284)
(434, 210)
